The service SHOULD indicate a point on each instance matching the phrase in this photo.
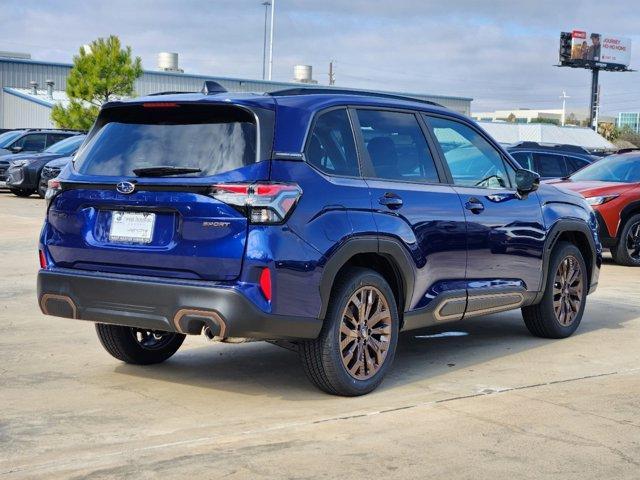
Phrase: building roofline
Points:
(26, 96)
(234, 79)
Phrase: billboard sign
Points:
(589, 49)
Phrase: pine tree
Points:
(103, 72)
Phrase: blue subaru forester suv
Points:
(323, 220)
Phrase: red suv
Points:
(612, 187)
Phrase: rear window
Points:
(213, 139)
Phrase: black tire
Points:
(322, 358)
(42, 192)
(124, 344)
(20, 192)
(541, 319)
(629, 240)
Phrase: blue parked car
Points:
(551, 160)
(320, 219)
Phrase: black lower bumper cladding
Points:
(603, 232)
(156, 304)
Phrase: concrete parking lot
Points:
(485, 400)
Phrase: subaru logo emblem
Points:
(125, 187)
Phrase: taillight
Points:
(54, 187)
(43, 259)
(262, 202)
(265, 283)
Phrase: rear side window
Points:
(331, 146)
(55, 138)
(550, 165)
(212, 139)
(396, 146)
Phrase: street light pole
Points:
(273, 12)
(594, 98)
(563, 97)
(264, 42)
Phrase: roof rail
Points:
(628, 150)
(53, 130)
(551, 146)
(342, 91)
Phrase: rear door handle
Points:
(391, 201)
(474, 205)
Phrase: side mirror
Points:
(526, 182)
(16, 149)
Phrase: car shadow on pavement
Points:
(260, 368)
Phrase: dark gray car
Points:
(31, 139)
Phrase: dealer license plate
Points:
(133, 227)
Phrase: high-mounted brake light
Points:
(264, 203)
(160, 105)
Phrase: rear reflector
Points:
(265, 283)
(43, 259)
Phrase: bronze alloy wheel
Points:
(633, 242)
(567, 290)
(365, 333)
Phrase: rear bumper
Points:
(158, 304)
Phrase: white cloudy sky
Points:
(500, 52)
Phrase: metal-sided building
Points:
(25, 100)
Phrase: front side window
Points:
(472, 160)
(193, 140)
(32, 142)
(396, 146)
(331, 147)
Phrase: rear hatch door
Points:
(137, 200)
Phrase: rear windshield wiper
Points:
(163, 171)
